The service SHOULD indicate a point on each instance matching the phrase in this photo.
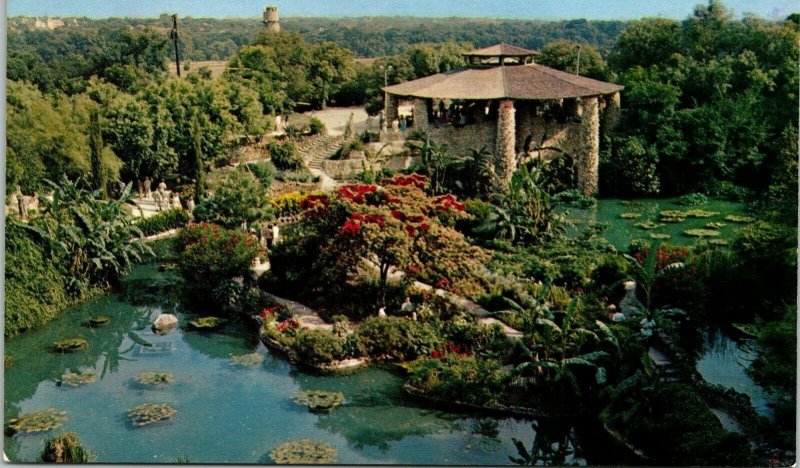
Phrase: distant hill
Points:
(204, 39)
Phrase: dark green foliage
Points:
(629, 167)
(163, 221)
(317, 346)
(465, 379)
(396, 338)
(197, 155)
(228, 295)
(35, 288)
(65, 448)
(677, 428)
(706, 96)
(563, 55)
(96, 148)
(264, 171)
(285, 156)
(775, 369)
(238, 199)
(315, 126)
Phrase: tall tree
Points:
(96, 148)
(198, 160)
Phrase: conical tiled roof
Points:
(531, 81)
(501, 50)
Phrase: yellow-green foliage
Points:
(286, 204)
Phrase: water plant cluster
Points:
(150, 413)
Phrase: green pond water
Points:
(620, 231)
(229, 414)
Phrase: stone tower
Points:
(271, 18)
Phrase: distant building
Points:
(518, 109)
(271, 21)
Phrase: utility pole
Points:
(578, 66)
(174, 34)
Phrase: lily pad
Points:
(739, 219)
(151, 413)
(701, 233)
(207, 323)
(154, 378)
(672, 214)
(717, 241)
(671, 219)
(630, 215)
(697, 213)
(39, 421)
(647, 225)
(716, 225)
(319, 400)
(98, 321)
(304, 452)
(658, 235)
(70, 345)
(247, 360)
(84, 376)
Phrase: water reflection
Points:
(554, 444)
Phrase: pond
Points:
(230, 414)
(621, 217)
(724, 361)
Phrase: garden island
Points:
(402, 240)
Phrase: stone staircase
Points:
(320, 150)
(668, 371)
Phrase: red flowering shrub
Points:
(681, 287)
(314, 205)
(273, 312)
(449, 349)
(446, 202)
(356, 193)
(208, 254)
(416, 180)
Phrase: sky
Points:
(519, 9)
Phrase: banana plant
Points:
(558, 351)
(647, 273)
(92, 239)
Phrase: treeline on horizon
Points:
(219, 39)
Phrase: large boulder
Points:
(165, 323)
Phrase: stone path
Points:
(305, 316)
(146, 207)
(482, 315)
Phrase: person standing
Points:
(147, 184)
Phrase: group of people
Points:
(407, 308)
(162, 197)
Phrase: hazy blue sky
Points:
(527, 9)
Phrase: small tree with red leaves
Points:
(395, 226)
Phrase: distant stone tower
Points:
(271, 18)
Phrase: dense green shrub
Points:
(228, 295)
(163, 221)
(65, 448)
(630, 168)
(285, 156)
(315, 126)
(35, 289)
(465, 379)
(396, 338)
(264, 171)
(317, 346)
(676, 427)
(209, 254)
(238, 198)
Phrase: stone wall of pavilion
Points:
(461, 140)
(578, 138)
